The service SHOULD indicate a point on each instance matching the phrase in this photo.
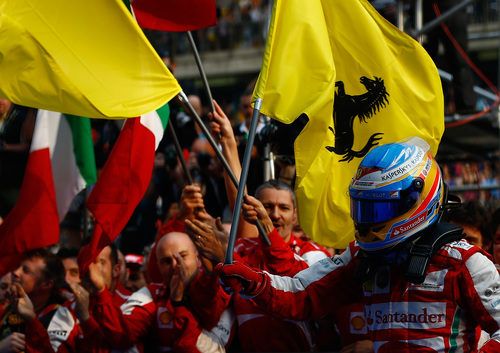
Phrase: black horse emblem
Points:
(345, 110)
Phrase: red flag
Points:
(174, 15)
(33, 222)
(123, 181)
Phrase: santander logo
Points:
(405, 227)
(406, 315)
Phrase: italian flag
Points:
(123, 180)
(61, 163)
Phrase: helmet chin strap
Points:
(414, 255)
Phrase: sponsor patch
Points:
(58, 333)
(462, 244)
(363, 183)
(408, 225)
(434, 282)
(375, 194)
(165, 318)
(404, 168)
(362, 171)
(411, 315)
(358, 323)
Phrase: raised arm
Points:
(221, 127)
(310, 294)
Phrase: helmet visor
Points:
(370, 211)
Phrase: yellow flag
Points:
(86, 58)
(361, 82)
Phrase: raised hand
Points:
(179, 279)
(24, 306)
(82, 300)
(239, 278)
(221, 126)
(205, 239)
(191, 202)
(254, 211)
(96, 277)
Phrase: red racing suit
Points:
(64, 333)
(168, 326)
(461, 291)
(259, 331)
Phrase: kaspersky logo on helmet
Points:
(401, 170)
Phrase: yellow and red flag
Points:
(360, 82)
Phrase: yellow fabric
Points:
(85, 58)
(312, 45)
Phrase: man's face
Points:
(123, 268)
(496, 246)
(245, 107)
(72, 271)
(280, 208)
(29, 274)
(5, 283)
(135, 280)
(473, 235)
(5, 106)
(176, 243)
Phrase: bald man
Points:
(168, 312)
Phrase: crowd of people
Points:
(158, 287)
(421, 275)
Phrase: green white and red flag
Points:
(61, 163)
(123, 180)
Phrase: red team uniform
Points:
(439, 315)
(65, 333)
(259, 331)
(149, 316)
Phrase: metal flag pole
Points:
(178, 149)
(200, 69)
(437, 21)
(184, 101)
(243, 179)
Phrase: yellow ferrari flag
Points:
(86, 58)
(360, 82)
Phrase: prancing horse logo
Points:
(345, 110)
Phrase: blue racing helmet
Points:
(396, 192)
